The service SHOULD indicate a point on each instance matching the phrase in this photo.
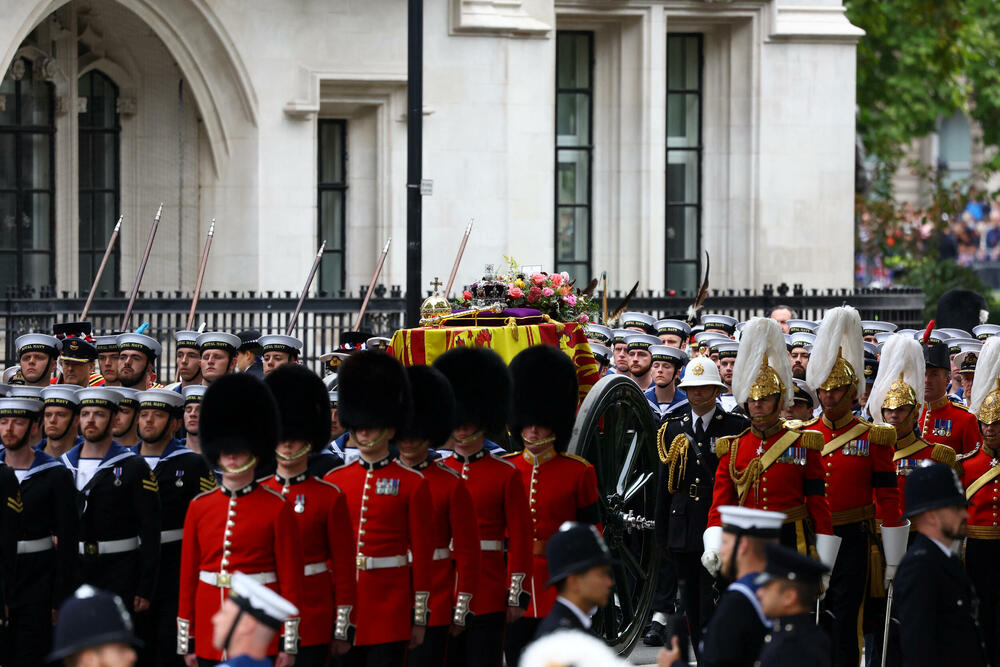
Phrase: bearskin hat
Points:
(545, 387)
(961, 309)
(374, 392)
(481, 383)
(433, 416)
(238, 414)
(303, 404)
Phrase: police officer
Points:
(60, 420)
(181, 474)
(247, 622)
(37, 354)
(787, 590)
(580, 570)
(687, 446)
(279, 350)
(935, 601)
(46, 568)
(118, 504)
(94, 628)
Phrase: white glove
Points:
(894, 547)
(710, 560)
(890, 574)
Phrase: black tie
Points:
(699, 429)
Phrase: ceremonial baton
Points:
(458, 259)
(888, 619)
(305, 290)
(371, 286)
(201, 276)
(142, 269)
(100, 269)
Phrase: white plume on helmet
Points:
(901, 355)
(987, 372)
(762, 336)
(840, 331)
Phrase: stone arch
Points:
(197, 41)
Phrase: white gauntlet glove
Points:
(710, 560)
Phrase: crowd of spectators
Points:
(973, 235)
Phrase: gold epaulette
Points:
(808, 423)
(722, 446)
(943, 454)
(959, 405)
(812, 440)
(882, 434)
(575, 458)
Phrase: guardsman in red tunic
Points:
(453, 517)
(560, 487)
(857, 462)
(240, 526)
(982, 487)
(481, 383)
(328, 593)
(770, 466)
(942, 420)
(389, 506)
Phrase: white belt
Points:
(225, 579)
(380, 562)
(314, 568)
(442, 553)
(109, 547)
(175, 535)
(34, 546)
(491, 545)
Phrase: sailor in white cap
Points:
(218, 354)
(136, 360)
(60, 419)
(188, 359)
(37, 354)
(663, 395)
(124, 425)
(640, 360)
(278, 351)
(192, 411)
(247, 622)
(108, 359)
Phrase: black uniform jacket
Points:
(10, 521)
(560, 618)
(936, 606)
(119, 502)
(796, 641)
(736, 632)
(324, 461)
(181, 474)
(46, 576)
(681, 517)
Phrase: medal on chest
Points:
(942, 428)
(300, 503)
(180, 482)
(387, 487)
(118, 476)
(856, 448)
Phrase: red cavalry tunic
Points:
(502, 512)
(792, 483)
(560, 487)
(910, 451)
(947, 423)
(327, 551)
(389, 505)
(857, 463)
(456, 558)
(983, 519)
(251, 530)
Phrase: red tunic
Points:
(456, 540)
(327, 551)
(389, 505)
(983, 519)
(860, 470)
(794, 480)
(951, 424)
(910, 451)
(262, 539)
(502, 511)
(560, 487)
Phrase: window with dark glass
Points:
(27, 181)
(332, 204)
(100, 189)
(684, 160)
(574, 152)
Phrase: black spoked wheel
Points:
(615, 431)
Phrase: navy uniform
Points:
(10, 522)
(119, 510)
(250, 340)
(180, 476)
(686, 443)
(795, 640)
(327, 458)
(46, 564)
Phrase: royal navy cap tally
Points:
(705, 338)
(277, 343)
(601, 352)
(106, 343)
(64, 395)
(24, 391)
(675, 327)
(127, 396)
(804, 339)
(193, 393)
(668, 353)
(639, 341)
(145, 344)
(160, 399)
(751, 522)
(963, 344)
(955, 333)
(100, 397)
(618, 336)
(875, 327)
(599, 333)
(935, 336)
(719, 322)
(186, 339)
(984, 331)
(219, 340)
(727, 349)
(641, 321)
(802, 326)
(19, 407)
(36, 342)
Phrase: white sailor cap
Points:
(955, 333)
(881, 338)
(106, 343)
(101, 397)
(619, 335)
(145, 344)
(875, 327)
(751, 522)
(599, 333)
(127, 396)
(935, 336)
(640, 341)
(871, 349)
(719, 322)
(705, 338)
(19, 407)
(278, 343)
(602, 353)
(984, 331)
(64, 395)
(378, 343)
(219, 340)
(24, 391)
(639, 321)
(804, 339)
(667, 353)
(334, 399)
(675, 327)
(802, 326)
(963, 344)
(193, 393)
(4, 388)
(260, 601)
(726, 349)
(161, 399)
(803, 392)
(37, 342)
(186, 339)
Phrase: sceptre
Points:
(371, 286)
(201, 276)
(100, 269)
(458, 259)
(305, 290)
(142, 269)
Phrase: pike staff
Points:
(142, 269)
(201, 276)
(458, 259)
(371, 286)
(305, 290)
(100, 269)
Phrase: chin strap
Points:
(540, 441)
(295, 456)
(469, 438)
(368, 444)
(243, 468)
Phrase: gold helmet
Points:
(899, 394)
(984, 401)
(900, 379)
(838, 352)
(762, 365)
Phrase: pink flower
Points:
(547, 291)
(515, 292)
(466, 295)
(538, 278)
(534, 294)
(570, 299)
(583, 318)
(565, 276)
(557, 278)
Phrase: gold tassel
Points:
(675, 458)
